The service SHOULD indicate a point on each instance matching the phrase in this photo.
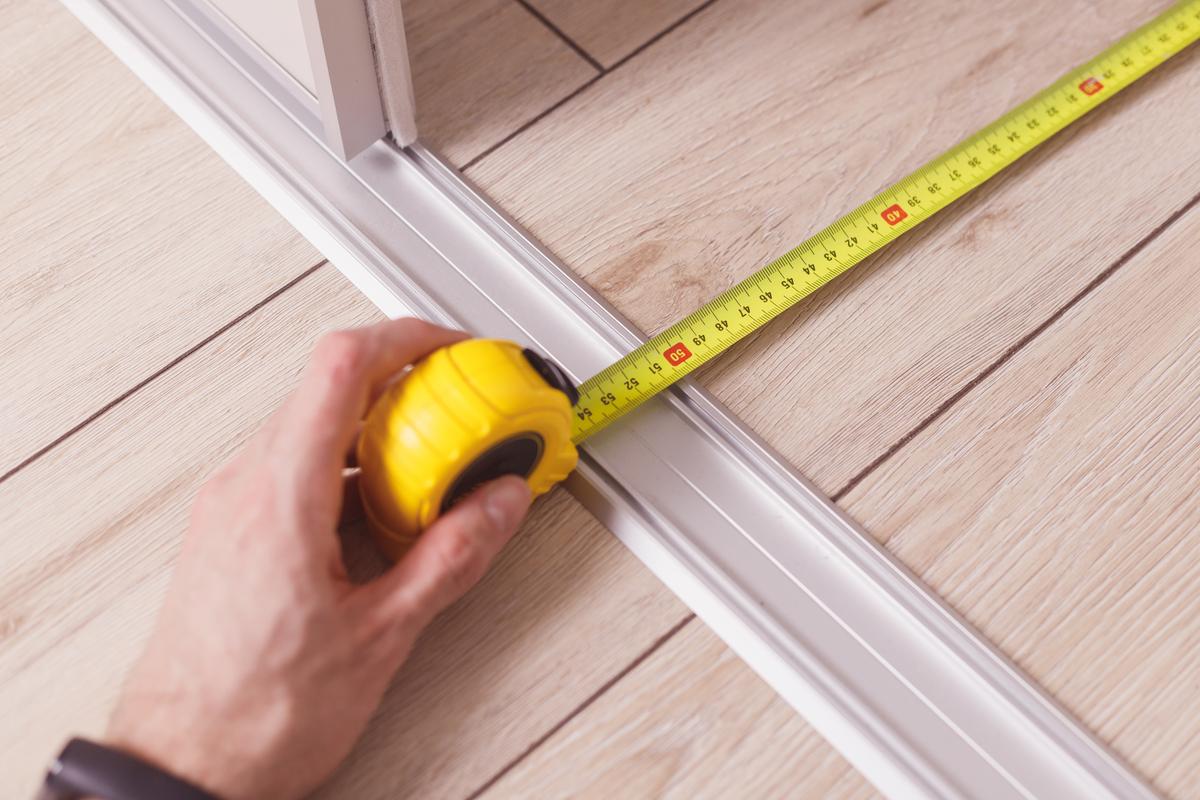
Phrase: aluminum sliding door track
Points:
(909, 693)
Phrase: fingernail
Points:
(506, 502)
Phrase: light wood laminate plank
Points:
(609, 30)
(665, 732)
(725, 144)
(481, 70)
(1057, 506)
(92, 529)
(125, 240)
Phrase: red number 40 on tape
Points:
(894, 214)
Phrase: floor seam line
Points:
(534, 121)
(583, 706)
(174, 362)
(587, 84)
(1092, 285)
(641, 48)
(567, 40)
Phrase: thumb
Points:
(454, 553)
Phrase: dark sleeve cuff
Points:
(88, 769)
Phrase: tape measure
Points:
(466, 414)
(480, 409)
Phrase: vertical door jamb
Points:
(359, 97)
(394, 69)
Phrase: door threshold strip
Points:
(903, 687)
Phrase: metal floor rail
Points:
(909, 693)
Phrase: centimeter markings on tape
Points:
(746, 307)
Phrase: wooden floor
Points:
(1009, 399)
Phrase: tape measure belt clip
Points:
(552, 374)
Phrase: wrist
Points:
(234, 756)
(161, 736)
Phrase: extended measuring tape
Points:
(481, 408)
(719, 324)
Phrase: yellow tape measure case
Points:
(466, 414)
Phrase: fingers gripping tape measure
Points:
(477, 410)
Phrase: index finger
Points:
(347, 371)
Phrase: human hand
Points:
(267, 660)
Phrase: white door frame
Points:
(351, 56)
